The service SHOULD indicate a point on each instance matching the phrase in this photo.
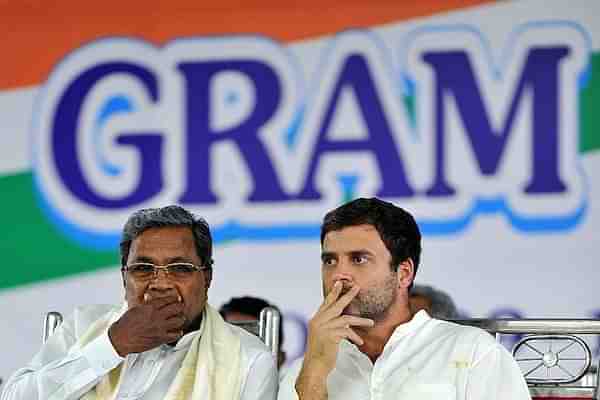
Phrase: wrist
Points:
(317, 364)
(312, 380)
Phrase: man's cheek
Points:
(133, 294)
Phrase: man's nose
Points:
(343, 273)
(161, 281)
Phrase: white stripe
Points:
(16, 109)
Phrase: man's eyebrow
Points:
(326, 255)
(180, 259)
(177, 259)
(143, 259)
(360, 252)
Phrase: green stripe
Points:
(33, 250)
(589, 101)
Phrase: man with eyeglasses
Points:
(165, 341)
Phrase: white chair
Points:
(266, 327)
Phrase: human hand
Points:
(327, 328)
(145, 326)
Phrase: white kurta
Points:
(60, 371)
(424, 359)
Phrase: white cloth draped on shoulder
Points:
(210, 369)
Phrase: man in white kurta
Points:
(424, 358)
(165, 342)
(61, 371)
(366, 342)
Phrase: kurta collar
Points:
(402, 330)
(415, 323)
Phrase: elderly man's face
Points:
(162, 246)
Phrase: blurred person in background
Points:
(437, 303)
(248, 308)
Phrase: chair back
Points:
(266, 327)
(555, 361)
(52, 321)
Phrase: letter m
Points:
(539, 77)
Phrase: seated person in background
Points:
(365, 343)
(164, 342)
(248, 309)
(437, 303)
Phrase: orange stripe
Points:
(36, 35)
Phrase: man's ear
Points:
(124, 280)
(208, 277)
(406, 273)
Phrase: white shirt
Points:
(424, 359)
(60, 371)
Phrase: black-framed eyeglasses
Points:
(147, 271)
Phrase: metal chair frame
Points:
(550, 329)
(266, 327)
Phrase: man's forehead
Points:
(352, 238)
(174, 239)
(164, 232)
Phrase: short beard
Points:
(375, 302)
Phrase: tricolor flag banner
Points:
(482, 118)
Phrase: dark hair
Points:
(396, 227)
(250, 306)
(167, 216)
